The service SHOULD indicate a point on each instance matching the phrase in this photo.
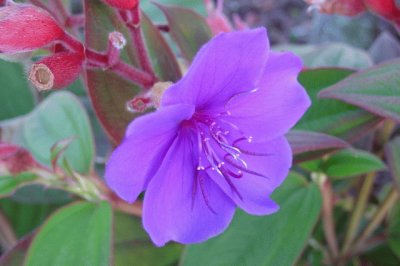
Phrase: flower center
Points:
(219, 150)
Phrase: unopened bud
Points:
(138, 104)
(56, 71)
(25, 28)
(122, 4)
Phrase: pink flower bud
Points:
(56, 71)
(26, 28)
(122, 4)
(216, 19)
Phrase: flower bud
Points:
(122, 4)
(26, 28)
(216, 19)
(56, 71)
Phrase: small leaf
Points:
(59, 117)
(351, 162)
(331, 116)
(276, 239)
(188, 29)
(376, 90)
(78, 234)
(392, 152)
(15, 97)
(9, 184)
(58, 149)
(310, 145)
(394, 231)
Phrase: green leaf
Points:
(134, 247)
(308, 145)
(351, 162)
(187, 28)
(59, 117)
(78, 234)
(331, 116)
(15, 96)
(9, 184)
(163, 59)
(25, 217)
(156, 15)
(376, 90)
(276, 239)
(330, 55)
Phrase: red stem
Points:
(132, 21)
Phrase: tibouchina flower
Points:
(215, 143)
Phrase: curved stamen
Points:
(245, 169)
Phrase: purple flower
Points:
(216, 141)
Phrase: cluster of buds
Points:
(387, 9)
(26, 28)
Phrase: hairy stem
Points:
(327, 215)
(358, 211)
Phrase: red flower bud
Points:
(56, 71)
(25, 28)
(385, 8)
(122, 4)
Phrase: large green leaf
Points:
(332, 116)
(188, 29)
(351, 162)
(156, 15)
(132, 245)
(78, 234)
(277, 239)
(15, 96)
(376, 89)
(59, 117)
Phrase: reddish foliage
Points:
(16, 159)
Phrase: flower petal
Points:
(277, 105)
(137, 159)
(251, 192)
(230, 63)
(180, 206)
